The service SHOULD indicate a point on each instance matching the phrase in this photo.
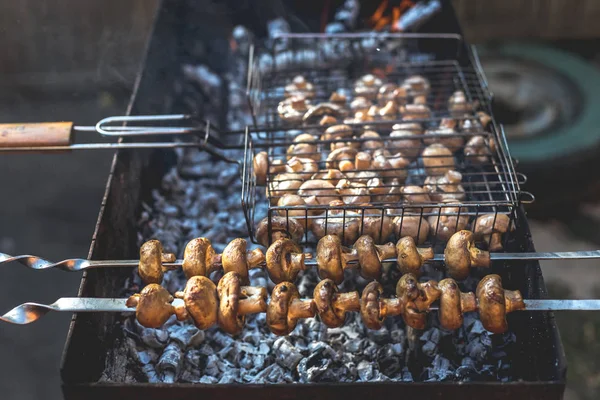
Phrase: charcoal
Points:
(348, 13)
(147, 356)
(153, 338)
(389, 360)
(286, 354)
(258, 361)
(324, 349)
(312, 367)
(150, 373)
(212, 365)
(221, 338)
(169, 364)
(230, 376)
(380, 336)
(206, 350)
(365, 371)
(355, 345)
(335, 27)
(206, 379)
(186, 335)
(440, 370)
(431, 339)
(407, 375)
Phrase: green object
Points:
(584, 131)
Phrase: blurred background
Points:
(72, 60)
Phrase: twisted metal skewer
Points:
(27, 313)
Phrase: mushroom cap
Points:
(360, 104)
(450, 313)
(490, 223)
(329, 258)
(337, 98)
(304, 167)
(453, 143)
(368, 258)
(235, 258)
(292, 109)
(150, 267)
(411, 225)
(281, 227)
(201, 301)
(492, 304)
(334, 223)
(153, 305)
(281, 266)
(412, 112)
(476, 150)
(369, 305)
(443, 226)
(461, 254)
(304, 146)
(294, 200)
(377, 226)
(353, 192)
(278, 317)
(332, 176)
(408, 142)
(346, 153)
(413, 194)
(416, 298)
(324, 297)
(259, 164)
(408, 258)
(371, 145)
(437, 159)
(229, 297)
(318, 192)
(337, 132)
(198, 257)
(416, 85)
(321, 109)
(284, 183)
(445, 187)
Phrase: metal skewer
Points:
(80, 264)
(29, 312)
(58, 136)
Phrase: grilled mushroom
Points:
(411, 225)
(367, 86)
(281, 227)
(374, 309)
(285, 260)
(293, 108)
(370, 255)
(490, 228)
(153, 306)
(416, 85)
(484, 118)
(476, 150)
(445, 187)
(444, 136)
(341, 158)
(304, 167)
(495, 303)
(236, 301)
(371, 145)
(201, 301)
(411, 258)
(327, 120)
(286, 308)
(300, 214)
(454, 304)
(337, 221)
(416, 298)
(437, 159)
(406, 139)
(333, 258)
(389, 92)
(461, 254)
(459, 106)
(353, 192)
(390, 165)
(416, 195)
(376, 224)
(260, 163)
(331, 305)
(300, 87)
(318, 192)
(338, 98)
(322, 109)
(199, 258)
(236, 258)
(448, 221)
(382, 192)
(337, 134)
(152, 256)
(304, 146)
(331, 175)
(411, 112)
(283, 184)
(360, 104)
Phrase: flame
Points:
(379, 21)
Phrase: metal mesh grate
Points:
(331, 63)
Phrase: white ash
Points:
(206, 203)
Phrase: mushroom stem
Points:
(513, 300)
(255, 258)
(252, 305)
(468, 302)
(168, 257)
(479, 258)
(297, 261)
(349, 258)
(387, 250)
(349, 301)
(426, 253)
(496, 242)
(390, 307)
(302, 309)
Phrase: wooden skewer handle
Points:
(45, 134)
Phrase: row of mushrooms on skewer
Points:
(229, 302)
(284, 259)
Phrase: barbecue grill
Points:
(96, 363)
